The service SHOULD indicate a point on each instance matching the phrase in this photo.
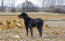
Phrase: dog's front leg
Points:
(31, 30)
(26, 30)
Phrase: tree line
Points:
(28, 6)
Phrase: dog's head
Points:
(23, 15)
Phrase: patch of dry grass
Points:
(12, 29)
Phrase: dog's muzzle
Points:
(20, 16)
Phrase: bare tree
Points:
(29, 7)
(11, 3)
(43, 3)
(13, 6)
(2, 5)
(62, 2)
(48, 3)
(51, 3)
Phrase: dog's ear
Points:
(24, 14)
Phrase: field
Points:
(12, 29)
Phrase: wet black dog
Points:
(30, 23)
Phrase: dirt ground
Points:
(54, 31)
(49, 34)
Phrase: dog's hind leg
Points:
(39, 27)
(39, 30)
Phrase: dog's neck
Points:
(27, 19)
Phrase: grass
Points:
(9, 18)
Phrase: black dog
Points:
(30, 23)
